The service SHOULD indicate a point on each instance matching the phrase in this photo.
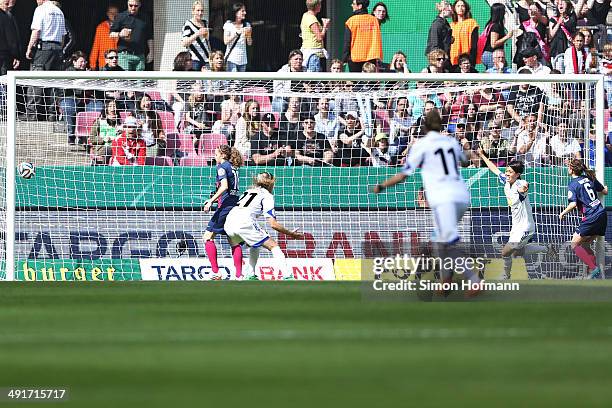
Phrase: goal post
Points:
(90, 220)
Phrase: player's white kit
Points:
(438, 157)
(523, 225)
(241, 222)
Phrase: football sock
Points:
(253, 257)
(587, 256)
(507, 265)
(211, 252)
(237, 255)
(278, 254)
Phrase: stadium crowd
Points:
(335, 123)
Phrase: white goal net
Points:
(123, 164)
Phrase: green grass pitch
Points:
(288, 344)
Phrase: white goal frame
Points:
(14, 76)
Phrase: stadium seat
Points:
(276, 119)
(84, 123)
(184, 143)
(382, 116)
(259, 94)
(193, 161)
(154, 95)
(159, 161)
(210, 142)
(167, 119)
(607, 126)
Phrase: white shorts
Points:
(250, 233)
(519, 237)
(446, 220)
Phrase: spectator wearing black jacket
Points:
(440, 33)
(9, 40)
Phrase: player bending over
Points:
(229, 160)
(523, 225)
(242, 226)
(439, 158)
(582, 193)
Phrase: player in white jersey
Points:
(438, 157)
(241, 224)
(523, 225)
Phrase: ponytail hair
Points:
(232, 155)
(578, 168)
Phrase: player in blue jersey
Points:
(582, 194)
(229, 160)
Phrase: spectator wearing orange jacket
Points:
(102, 41)
(362, 38)
(129, 149)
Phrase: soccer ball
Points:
(26, 170)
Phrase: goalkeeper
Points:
(523, 225)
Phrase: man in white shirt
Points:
(532, 144)
(45, 52)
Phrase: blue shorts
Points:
(217, 221)
(593, 226)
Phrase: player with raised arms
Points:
(523, 225)
(439, 157)
(229, 160)
(241, 224)
(582, 194)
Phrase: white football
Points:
(26, 170)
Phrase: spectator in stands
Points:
(533, 145)
(473, 124)
(362, 38)
(464, 66)
(247, 127)
(45, 52)
(497, 34)
(535, 35)
(313, 38)
(10, 52)
(487, 100)
(326, 121)
(223, 126)
(525, 99)
(380, 156)
(557, 103)
(197, 120)
(440, 33)
(135, 38)
(152, 131)
(102, 40)
(111, 61)
(561, 28)
(103, 132)
(195, 37)
(502, 120)
(417, 100)
(597, 12)
(350, 142)
(417, 129)
(73, 100)
(312, 148)
(463, 141)
(590, 49)
(237, 34)
(216, 87)
(289, 125)
(70, 39)
(499, 63)
(398, 63)
(180, 88)
(129, 149)
(346, 103)
(465, 33)
(265, 147)
(438, 62)
(532, 61)
(605, 68)
(522, 8)
(279, 102)
(381, 13)
(563, 146)
(494, 146)
(576, 59)
(399, 125)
